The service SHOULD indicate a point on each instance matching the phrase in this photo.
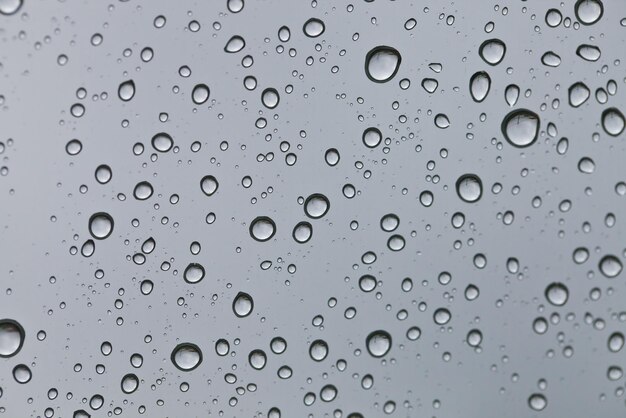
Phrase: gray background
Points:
(78, 312)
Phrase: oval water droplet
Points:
(194, 273)
(318, 350)
(10, 7)
(270, 98)
(302, 232)
(313, 27)
(613, 121)
(378, 343)
(616, 342)
(209, 185)
(126, 90)
(557, 293)
(143, 190)
(589, 12)
(521, 127)
(162, 142)
(469, 188)
(316, 206)
(382, 63)
(610, 266)
(550, 59)
(22, 374)
(588, 52)
(492, 51)
(511, 94)
(480, 83)
(200, 93)
(186, 356)
(235, 44)
(257, 359)
(243, 304)
(537, 402)
(130, 383)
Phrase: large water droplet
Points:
(589, 12)
(186, 356)
(100, 225)
(22, 374)
(200, 93)
(578, 93)
(469, 187)
(378, 343)
(316, 205)
(126, 90)
(610, 266)
(11, 337)
(313, 28)
(372, 137)
(257, 359)
(616, 342)
(130, 383)
(162, 142)
(492, 51)
(270, 98)
(480, 83)
(193, 273)
(318, 350)
(262, 228)
(9, 7)
(521, 127)
(537, 402)
(143, 190)
(557, 294)
(235, 44)
(243, 304)
(209, 185)
(613, 121)
(302, 232)
(588, 52)
(382, 63)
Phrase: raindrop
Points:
(610, 266)
(11, 337)
(186, 356)
(550, 59)
(442, 121)
(143, 190)
(537, 402)
(194, 273)
(302, 232)
(442, 316)
(613, 121)
(9, 7)
(578, 93)
(557, 294)
(316, 206)
(469, 187)
(257, 359)
(382, 63)
(162, 142)
(480, 83)
(318, 350)
(103, 174)
(616, 342)
(235, 44)
(372, 137)
(511, 94)
(553, 18)
(100, 225)
(130, 383)
(332, 157)
(235, 6)
(521, 128)
(22, 374)
(389, 222)
(200, 93)
(378, 343)
(492, 51)
(209, 185)
(589, 12)
(270, 98)
(313, 28)
(262, 228)
(243, 305)
(588, 52)
(126, 90)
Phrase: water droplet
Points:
(186, 356)
(442, 121)
(235, 6)
(395, 243)
(200, 93)
(318, 350)
(578, 93)
(257, 359)
(162, 142)
(586, 165)
(589, 12)
(537, 402)
(588, 52)
(243, 304)
(316, 206)
(100, 225)
(126, 90)
(193, 273)
(372, 137)
(302, 232)
(616, 342)
(474, 338)
(103, 174)
(511, 94)
(469, 187)
(235, 44)
(130, 383)
(521, 128)
(262, 228)
(610, 266)
(367, 283)
(613, 121)
(209, 185)
(143, 190)
(22, 374)
(389, 222)
(284, 34)
(11, 337)
(270, 98)
(492, 51)
(430, 85)
(442, 316)
(313, 28)
(378, 343)
(74, 146)
(332, 157)
(557, 293)
(9, 7)
(480, 83)
(550, 59)
(382, 63)
(553, 18)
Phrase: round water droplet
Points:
(22, 374)
(270, 98)
(613, 121)
(143, 190)
(318, 350)
(11, 337)
(235, 6)
(480, 83)
(316, 206)
(278, 345)
(257, 359)
(511, 94)
(367, 283)
(200, 93)
(442, 316)
(389, 222)
(146, 287)
(209, 185)
(9, 7)
(553, 18)
(474, 338)
(442, 121)
(73, 147)
(126, 90)
(193, 273)
(313, 28)
(586, 165)
(372, 137)
(186, 356)
(243, 304)
(262, 228)
(103, 174)
(557, 294)
(378, 343)
(382, 63)
(616, 342)
(284, 34)
(469, 187)
(537, 402)
(130, 383)
(332, 157)
(492, 51)
(302, 232)
(589, 12)
(610, 266)
(235, 44)
(578, 93)
(100, 225)
(162, 142)
(521, 128)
